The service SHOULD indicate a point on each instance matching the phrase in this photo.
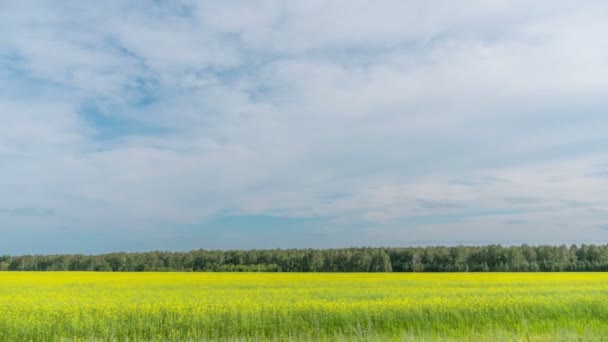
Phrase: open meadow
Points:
(83, 306)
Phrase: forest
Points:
(491, 258)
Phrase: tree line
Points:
(491, 258)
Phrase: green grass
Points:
(84, 306)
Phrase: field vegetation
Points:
(83, 306)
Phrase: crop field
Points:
(81, 306)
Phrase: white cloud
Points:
(359, 112)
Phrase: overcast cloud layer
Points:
(134, 125)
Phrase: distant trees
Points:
(492, 258)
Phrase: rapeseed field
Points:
(86, 306)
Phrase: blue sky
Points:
(270, 124)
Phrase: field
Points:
(285, 306)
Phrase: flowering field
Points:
(71, 306)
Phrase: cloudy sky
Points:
(175, 125)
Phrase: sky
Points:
(179, 125)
